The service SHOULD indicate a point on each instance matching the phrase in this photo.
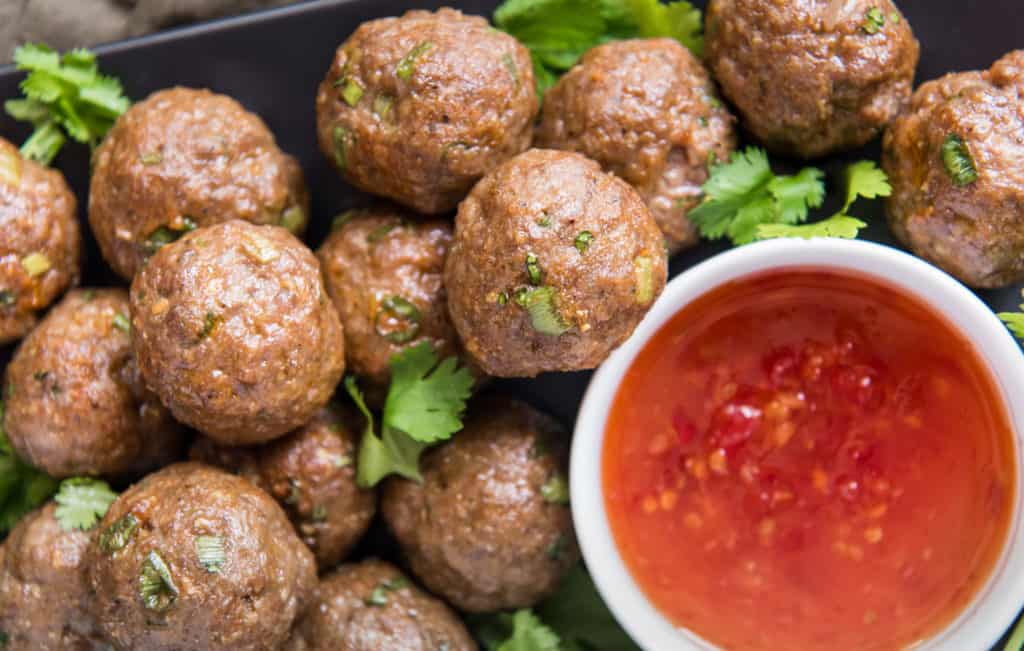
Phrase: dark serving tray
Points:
(272, 62)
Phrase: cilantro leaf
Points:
(1014, 321)
(64, 92)
(743, 194)
(519, 631)
(559, 32)
(424, 405)
(864, 179)
(426, 399)
(22, 488)
(81, 502)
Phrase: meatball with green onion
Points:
(554, 264)
(418, 108)
(195, 559)
(489, 527)
(312, 474)
(956, 163)
(182, 159)
(40, 242)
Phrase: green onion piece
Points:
(583, 241)
(122, 323)
(533, 270)
(874, 20)
(398, 309)
(152, 158)
(116, 536)
(407, 65)
(382, 105)
(643, 268)
(556, 490)
(544, 222)
(210, 323)
(343, 219)
(379, 596)
(156, 585)
(380, 232)
(210, 550)
(502, 298)
(540, 302)
(956, 156)
(510, 65)
(7, 298)
(36, 264)
(293, 219)
(894, 18)
(158, 239)
(352, 92)
(342, 138)
(10, 167)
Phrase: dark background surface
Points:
(273, 61)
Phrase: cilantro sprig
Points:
(1015, 322)
(22, 487)
(745, 201)
(63, 95)
(424, 405)
(558, 32)
(82, 502)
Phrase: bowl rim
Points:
(995, 606)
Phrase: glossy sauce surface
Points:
(809, 460)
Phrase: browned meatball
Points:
(956, 164)
(418, 108)
(646, 111)
(40, 244)
(185, 158)
(372, 606)
(44, 590)
(193, 558)
(312, 474)
(812, 77)
(76, 403)
(233, 329)
(384, 274)
(489, 528)
(554, 264)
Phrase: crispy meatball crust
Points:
(418, 108)
(312, 474)
(376, 264)
(812, 77)
(372, 606)
(646, 111)
(246, 602)
(44, 589)
(538, 207)
(76, 403)
(184, 158)
(233, 329)
(479, 530)
(40, 243)
(975, 231)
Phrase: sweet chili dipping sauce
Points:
(809, 460)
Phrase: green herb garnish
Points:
(210, 552)
(874, 21)
(36, 264)
(22, 487)
(424, 405)
(555, 490)
(82, 502)
(117, 535)
(344, 218)
(164, 235)
(1014, 321)
(407, 65)
(122, 323)
(342, 139)
(382, 105)
(156, 585)
(210, 323)
(542, 305)
(63, 94)
(379, 596)
(583, 241)
(958, 161)
(401, 310)
(643, 269)
(293, 219)
(351, 92)
(533, 270)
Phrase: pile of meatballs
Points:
(207, 388)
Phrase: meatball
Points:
(418, 108)
(554, 264)
(489, 528)
(44, 589)
(956, 164)
(384, 274)
(40, 243)
(812, 77)
(371, 606)
(76, 403)
(646, 111)
(233, 329)
(185, 158)
(312, 474)
(193, 558)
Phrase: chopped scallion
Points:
(533, 270)
(541, 303)
(874, 21)
(342, 138)
(117, 535)
(156, 585)
(122, 323)
(396, 308)
(643, 268)
(36, 264)
(351, 92)
(556, 490)
(959, 163)
(210, 550)
(583, 241)
(407, 65)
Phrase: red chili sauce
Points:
(809, 460)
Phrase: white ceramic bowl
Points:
(997, 603)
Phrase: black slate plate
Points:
(273, 61)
